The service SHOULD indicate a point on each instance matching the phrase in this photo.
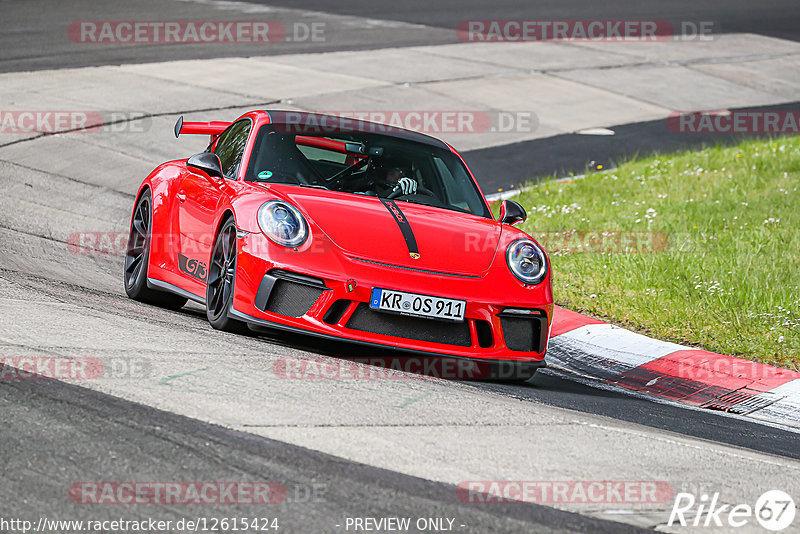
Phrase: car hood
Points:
(363, 227)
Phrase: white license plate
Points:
(420, 305)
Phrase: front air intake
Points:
(404, 326)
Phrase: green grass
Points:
(727, 279)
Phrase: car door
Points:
(198, 199)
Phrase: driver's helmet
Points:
(383, 166)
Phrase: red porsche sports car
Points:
(343, 229)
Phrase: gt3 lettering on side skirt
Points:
(192, 267)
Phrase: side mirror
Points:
(512, 213)
(207, 162)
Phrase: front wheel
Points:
(221, 279)
(137, 257)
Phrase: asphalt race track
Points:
(772, 18)
(34, 44)
(562, 155)
(69, 423)
(40, 45)
(192, 404)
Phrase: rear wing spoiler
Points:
(213, 128)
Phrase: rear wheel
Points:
(221, 279)
(137, 258)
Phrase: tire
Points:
(137, 258)
(221, 280)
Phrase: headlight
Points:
(282, 223)
(526, 261)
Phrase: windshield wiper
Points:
(315, 186)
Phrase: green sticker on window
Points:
(265, 174)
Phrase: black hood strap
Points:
(402, 222)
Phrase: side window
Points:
(454, 195)
(230, 147)
(458, 186)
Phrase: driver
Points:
(396, 175)
(391, 178)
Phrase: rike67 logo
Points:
(774, 510)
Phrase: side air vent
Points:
(524, 332)
(288, 293)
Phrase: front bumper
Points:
(325, 292)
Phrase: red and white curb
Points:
(599, 351)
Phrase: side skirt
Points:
(160, 285)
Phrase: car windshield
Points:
(366, 164)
